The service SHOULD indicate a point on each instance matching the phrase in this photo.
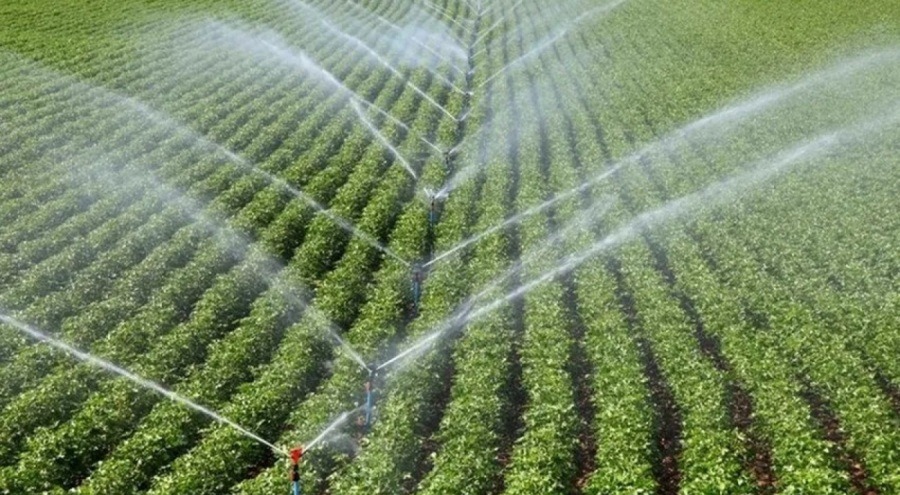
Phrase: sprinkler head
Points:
(296, 454)
(433, 195)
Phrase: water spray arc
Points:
(390, 68)
(143, 382)
(383, 140)
(297, 453)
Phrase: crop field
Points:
(449, 247)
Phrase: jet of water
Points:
(335, 218)
(497, 23)
(770, 96)
(330, 428)
(499, 227)
(460, 317)
(712, 195)
(143, 382)
(717, 122)
(549, 41)
(383, 140)
(580, 223)
(400, 124)
(423, 344)
(402, 45)
(444, 41)
(284, 54)
(391, 68)
(348, 349)
(445, 15)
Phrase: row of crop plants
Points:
(682, 179)
(819, 353)
(801, 458)
(621, 416)
(692, 380)
(706, 436)
(831, 252)
(543, 457)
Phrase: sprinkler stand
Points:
(296, 456)
(370, 393)
(418, 276)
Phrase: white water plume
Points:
(537, 50)
(358, 42)
(390, 67)
(443, 13)
(400, 124)
(273, 47)
(432, 38)
(347, 348)
(383, 140)
(714, 194)
(515, 219)
(581, 223)
(270, 45)
(127, 103)
(723, 120)
(340, 420)
(415, 350)
(551, 39)
(711, 196)
(336, 219)
(162, 119)
(143, 382)
(483, 34)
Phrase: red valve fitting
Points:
(296, 455)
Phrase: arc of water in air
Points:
(447, 16)
(391, 68)
(383, 140)
(113, 368)
(414, 39)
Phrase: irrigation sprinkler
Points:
(448, 156)
(434, 200)
(296, 456)
(370, 388)
(418, 276)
